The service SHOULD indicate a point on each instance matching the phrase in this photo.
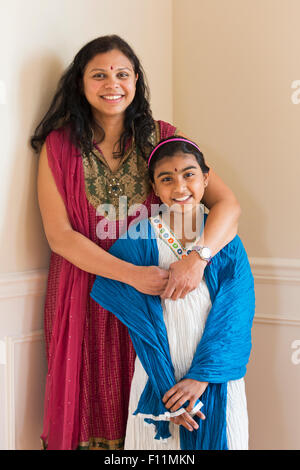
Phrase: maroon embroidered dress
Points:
(89, 352)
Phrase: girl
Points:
(93, 143)
(199, 345)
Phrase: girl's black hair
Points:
(70, 106)
(169, 149)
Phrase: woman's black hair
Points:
(169, 149)
(70, 106)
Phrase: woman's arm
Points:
(81, 251)
(224, 211)
(220, 228)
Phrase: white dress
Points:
(185, 321)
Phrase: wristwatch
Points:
(204, 252)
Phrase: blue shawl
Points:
(223, 351)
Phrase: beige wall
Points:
(235, 62)
(38, 40)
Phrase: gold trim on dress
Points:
(100, 443)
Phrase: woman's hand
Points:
(184, 276)
(150, 280)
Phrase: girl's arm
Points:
(81, 251)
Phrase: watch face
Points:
(205, 252)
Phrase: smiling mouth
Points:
(182, 199)
(112, 98)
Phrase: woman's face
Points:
(179, 182)
(109, 84)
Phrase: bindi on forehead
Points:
(111, 67)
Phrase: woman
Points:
(102, 99)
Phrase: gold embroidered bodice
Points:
(130, 180)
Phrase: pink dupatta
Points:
(61, 415)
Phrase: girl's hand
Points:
(187, 421)
(184, 276)
(150, 280)
(185, 390)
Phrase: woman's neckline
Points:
(128, 150)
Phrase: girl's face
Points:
(109, 83)
(179, 181)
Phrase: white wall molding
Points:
(287, 320)
(22, 360)
(277, 282)
(277, 270)
(10, 343)
(23, 284)
(278, 273)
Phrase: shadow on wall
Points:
(24, 234)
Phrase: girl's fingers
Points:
(179, 420)
(188, 422)
(200, 415)
(169, 393)
(184, 292)
(174, 401)
(191, 404)
(179, 402)
(169, 290)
